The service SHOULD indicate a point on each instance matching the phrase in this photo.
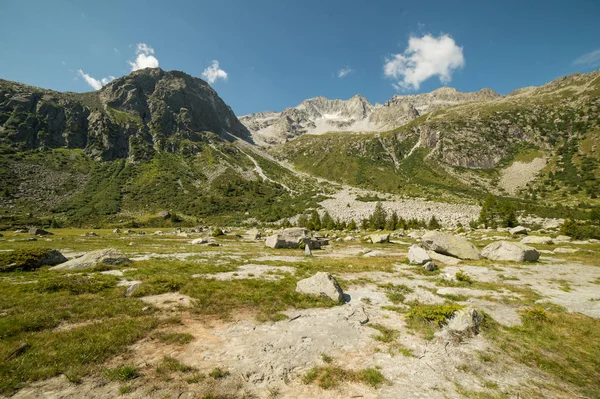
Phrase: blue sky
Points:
(277, 53)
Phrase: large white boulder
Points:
(510, 251)
(537, 240)
(518, 230)
(92, 259)
(321, 284)
(379, 238)
(289, 238)
(448, 244)
(418, 255)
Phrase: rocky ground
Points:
(370, 330)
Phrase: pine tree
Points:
(352, 225)
(433, 224)
(327, 221)
(316, 220)
(302, 220)
(392, 222)
(377, 220)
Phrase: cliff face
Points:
(131, 117)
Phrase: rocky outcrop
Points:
(510, 251)
(321, 284)
(289, 238)
(379, 238)
(448, 244)
(93, 259)
(131, 117)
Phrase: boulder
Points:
(510, 251)
(429, 266)
(117, 231)
(199, 241)
(562, 239)
(349, 238)
(518, 230)
(290, 238)
(565, 250)
(465, 322)
(164, 215)
(537, 240)
(307, 250)
(92, 259)
(158, 233)
(36, 231)
(321, 284)
(379, 238)
(448, 244)
(418, 255)
(252, 234)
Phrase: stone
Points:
(429, 266)
(562, 239)
(158, 233)
(448, 244)
(90, 234)
(565, 250)
(164, 215)
(183, 235)
(36, 231)
(518, 230)
(465, 321)
(92, 259)
(537, 240)
(307, 250)
(349, 238)
(252, 234)
(117, 231)
(132, 288)
(418, 255)
(199, 241)
(321, 284)
(510, 251)
(290, 238)
(379, 238)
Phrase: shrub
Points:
(217, 232)
(22, 259)
(433, 224)
(436, 314)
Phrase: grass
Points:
(386, 334)
(564, 345)
(174, 338)
(122, 373)
(396, 293)
(426, 319)
(331, 376)
(169, 365)
(22, 259)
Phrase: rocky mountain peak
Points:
(131, 117)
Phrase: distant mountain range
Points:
(320, 115)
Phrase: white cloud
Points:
(213, 72)
(145, 58)
(424, 58)
(589, 59)
(342, 73)
(95, 83)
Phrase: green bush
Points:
(580, 230)
(436, 314)
(22, 259)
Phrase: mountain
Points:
(157, 140)
(320, 115)
(149, 141)
(132, 117)
(540, 144)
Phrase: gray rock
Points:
(379, 238)
(117, 231)
(307, 250)
(518, 230)
(289, 238)
(537, 240)
(36, 231)
(252, 234)
(418, 255)
(321, 284)
(465, 322)
(448, 244)
(92, 259)
(164, 215)
(510, 251)
(199, 241)
(429, 266)
(562, 239)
